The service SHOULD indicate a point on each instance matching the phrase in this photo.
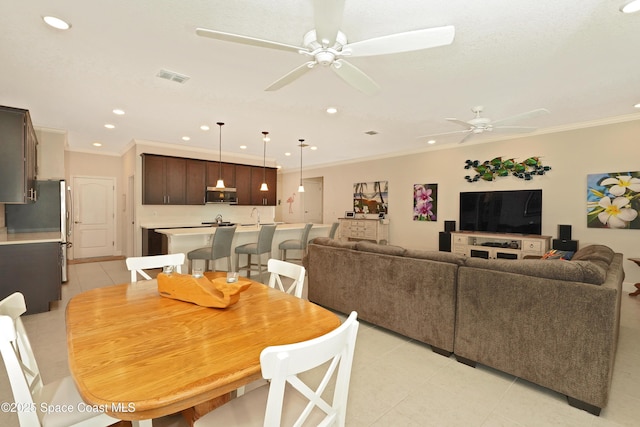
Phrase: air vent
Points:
(173, 76)
(371, 132)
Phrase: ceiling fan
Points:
(481, 124)
(326, 45)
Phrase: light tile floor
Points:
(396, 381)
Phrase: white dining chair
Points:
(287, 398)
(30, 395)
(282, 269)
(137, 265)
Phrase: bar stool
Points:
(220, 247)
(300, 244)
(334, 228)
(262, 246)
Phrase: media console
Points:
(498, 245)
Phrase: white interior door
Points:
(94, 217)
(313, 200)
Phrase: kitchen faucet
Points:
(219, 218)
(257, 215)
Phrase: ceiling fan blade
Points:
(402, 42)
(466, 138)
(328, 20)
(445, 133)
(295, 74)
(252, 41)
(459, 122)
(355, 77)
(522, 116)
(513, 129)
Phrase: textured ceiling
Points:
(578, 59)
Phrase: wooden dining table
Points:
(137, 355)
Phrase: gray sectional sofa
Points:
(552, 322)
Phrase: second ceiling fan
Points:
(328, 46)
(480, 124)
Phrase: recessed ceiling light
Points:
(637, 105)
(97, 144)
(204, 127)
(287, 154)
(332, 110)
(243, 147)
(54, 22)
(313, 147)
(431, 141)
(109, 126)
(631, 7)
(186, 138)
(118, 112)
(371, 132)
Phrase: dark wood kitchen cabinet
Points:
(164, 180)
(39, 285)
(18, 156)
(196, 182)
(248, 181)
(263, 198)
(228, 174)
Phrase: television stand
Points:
(498, 245)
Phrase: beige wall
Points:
(92, 165)
(571, 154)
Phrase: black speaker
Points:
(564, 232)
(449, 226)
(565, 245)
(444, 241)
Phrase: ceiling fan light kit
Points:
(326, 45)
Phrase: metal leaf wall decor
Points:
(489, 170)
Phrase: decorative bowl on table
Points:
(204, 291)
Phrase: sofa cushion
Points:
(594, 253)
(365, 246)
(574, 271)
(435, 256)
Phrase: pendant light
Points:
(220, 183)
(302, 145)
(264, 186)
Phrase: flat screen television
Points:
(518, 211)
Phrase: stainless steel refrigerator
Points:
(50, 213)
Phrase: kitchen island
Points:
(183, 240)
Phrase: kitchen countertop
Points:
(239, 229)
(25, 238)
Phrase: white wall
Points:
(572, 155)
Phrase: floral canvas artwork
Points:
(371, 197)
(425, 202)
(613, 200)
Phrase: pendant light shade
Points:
(264, 186)
(302, 145)
(220, 183)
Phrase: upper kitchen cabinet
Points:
(18, 156)
(248, 181)
(164, 180)
(258, 176)
(228, 174)
(196, 182)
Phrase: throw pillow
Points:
(556, 254)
